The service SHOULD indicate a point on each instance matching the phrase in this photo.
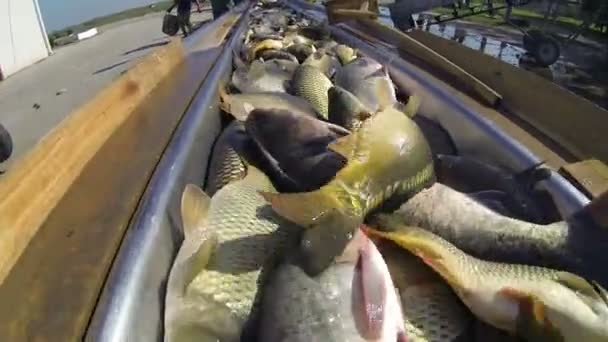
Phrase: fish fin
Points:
(194, 208)
(417, 241)
(400, 107)
(325, 241)
(384, 90)
(411, 108)
(580, 285)
(532, 322)
(302, 208)
(338, 130)
(200, 259)
(343, 146)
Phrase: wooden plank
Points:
(406, 44)
(570, 121)
(37, 182)
(51, 291)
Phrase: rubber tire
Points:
(6, 144)
(529, 40)
(546, 51)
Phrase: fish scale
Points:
(223, 295)
(226, 165)
(310, 83)
(391, 150)
(538, 303)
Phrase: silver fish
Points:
(369, 81)
(264, 76)
(230, 240)
(352, 300)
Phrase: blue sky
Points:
(58, 14)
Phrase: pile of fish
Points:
(334, 212)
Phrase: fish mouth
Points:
(378, 315)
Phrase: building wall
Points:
(23, 39)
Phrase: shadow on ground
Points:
(108, 68)
(146, 47)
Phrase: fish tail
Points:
(224, 103)
(302, 208)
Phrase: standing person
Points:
(220, 7)
(184, 7)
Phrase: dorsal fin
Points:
(344, 146)
(194, 208)
(580, 285)
(412, 106)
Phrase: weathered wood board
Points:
(574, 123)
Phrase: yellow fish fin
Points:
(302, 208)
(194, 209)
(326, 240)
(578, 284)
(383, 89)
(411, 108)
(200, 259)
(420, 243)
(532, 322)
(353, 146)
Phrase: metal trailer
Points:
(130, 307)
(539, 42)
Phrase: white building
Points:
(23, 39)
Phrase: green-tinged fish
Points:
(301, 51)
(326, 63)
(432, 312)
(576, 244)
(328, 44)
(352, 300)
(226, 165)
(299, 145)
(345, 109)
(345, 53)
(369, 82)
(311, 84)
(387, 156)
(230, 240)
(539, 304)
(264, 76)
(240, 105)
(277, 54)
(292, 37)
(266, 44)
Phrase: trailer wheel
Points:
(546, 51)
(6, 144)
(544, 48)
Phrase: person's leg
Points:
(189, 23)
(181, 19)
(219, 7)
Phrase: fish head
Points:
(376, 307)
(584, 314)
(344, 108)
(351, 300)
(282, 131)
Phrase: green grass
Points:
(523, 13)
(108, 19)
